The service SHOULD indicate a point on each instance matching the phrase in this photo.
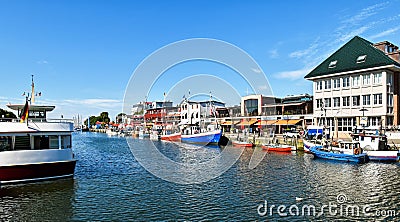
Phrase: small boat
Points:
(355, 155)
(242, 144)
(277, 147)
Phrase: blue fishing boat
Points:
(198, 122)
(357, 156)
(205, 138)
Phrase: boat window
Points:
(53, 141)
(65, 142)
(5, 143)
(22, 143)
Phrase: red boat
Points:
(174, 137)
(277, 147)
(242, 144)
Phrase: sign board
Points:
(363, 120)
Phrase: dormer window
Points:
(361, 58)
(332, 64)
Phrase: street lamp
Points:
(363, 110)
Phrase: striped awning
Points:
(287, 122)
(247, 122)
(266, 122)
(229, 123)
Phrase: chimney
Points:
(389, 49)
(395, 56)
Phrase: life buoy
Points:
(356, 151)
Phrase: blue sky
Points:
(83, 53)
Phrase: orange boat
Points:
(242, 144)
(277, 147)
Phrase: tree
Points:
(104, 117)
(7, 114)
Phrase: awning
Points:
(229, 123)
(247, 122)
(287, 122)
(267, 122)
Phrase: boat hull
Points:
(242, 144)
(307, 145)
(36, 172)
(390, 156)
(33, 165)
(205, 138)
(275, 148)
(175, 137)
(360, 158)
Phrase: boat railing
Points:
(8, 119)
(15, 120)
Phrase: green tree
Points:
(7, 114)
(104, 117)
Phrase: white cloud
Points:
(273, 54)
(347, 36)
(41, 62)
(365, 13)
(72, 107)
(306, 52)
(385, 33)
(293, 75)
(359, 23)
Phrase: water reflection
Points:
(44, 201)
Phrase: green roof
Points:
(347, 56)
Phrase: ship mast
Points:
(33, 91)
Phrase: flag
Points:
(24, 112)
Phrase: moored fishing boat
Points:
(205, 138)
(353, 154)
(198, 122)
(242, 144)
(277, 147)
(33, 148)
(374, 144)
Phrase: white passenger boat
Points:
(35, 148)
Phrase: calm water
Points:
(110, 185)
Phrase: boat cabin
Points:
(36, 113)
(370, 138)
(37, 133)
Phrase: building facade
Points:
(357, 85)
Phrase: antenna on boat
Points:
(33, 91)
(33, 94)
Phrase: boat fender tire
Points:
(356, 151)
